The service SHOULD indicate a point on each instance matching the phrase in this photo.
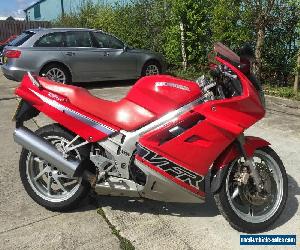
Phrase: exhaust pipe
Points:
(46, 151)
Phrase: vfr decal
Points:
(180, 173)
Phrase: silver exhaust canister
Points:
(46, 151)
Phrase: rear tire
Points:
(57, 73)
(56, 198)
(235, 209)
(151, 68)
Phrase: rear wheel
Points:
(57, 73)
(151, 68)
(46, 184)
(245, 208)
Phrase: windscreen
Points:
(21, 38)
(226, 52)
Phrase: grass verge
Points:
(285, 92)
(125, 244)
(189, 74)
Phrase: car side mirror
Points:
(125, 48)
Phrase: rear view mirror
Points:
(247, 56)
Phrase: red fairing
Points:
(162, 94)
(196, 149)
(238, 113)
(177, 181)
(211, 127)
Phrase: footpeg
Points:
(102, 176)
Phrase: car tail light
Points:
(12, 53)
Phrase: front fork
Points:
(249, 162)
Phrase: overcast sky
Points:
(14, 7)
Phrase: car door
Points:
(118, 63)
(82, 56)
(46, 49)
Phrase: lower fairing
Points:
(157, 187)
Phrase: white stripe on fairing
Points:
(99, 126)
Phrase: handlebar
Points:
(223, 84)
(234, 77)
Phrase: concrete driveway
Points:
(144, 224)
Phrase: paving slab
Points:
(76, 230)
(7, 87)
(26, 225)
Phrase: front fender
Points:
(218, 169)
(230, 153)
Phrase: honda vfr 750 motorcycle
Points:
(167, 140)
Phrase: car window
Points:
(78, 39)
(108, 41)
(115, 43)
(50, 40)
(102, 40)
(19, 40)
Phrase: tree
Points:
(262, 15)
(178, 12)
(280, 50)
(296, 83)
(227, 25)
(193, 18)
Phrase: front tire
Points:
(46, 184)
(243, 207)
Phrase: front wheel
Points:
(245, 208)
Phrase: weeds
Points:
(125, 244)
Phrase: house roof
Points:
(3, 18)
(32, 5)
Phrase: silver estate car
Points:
(77, 55)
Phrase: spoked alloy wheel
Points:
(246, 208)
(250, 205)
(48, 185)
(56, 74)
(152, 70)
(49, 182)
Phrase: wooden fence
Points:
(9, 28)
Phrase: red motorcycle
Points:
(169, 139)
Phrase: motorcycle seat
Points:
(124, 114)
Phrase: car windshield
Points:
(227, 53)
(21, 38)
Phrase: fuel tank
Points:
(161, 94)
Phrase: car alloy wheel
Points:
(152, 69)
(57, 75)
